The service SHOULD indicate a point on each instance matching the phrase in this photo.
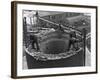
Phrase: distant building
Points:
(59, 18)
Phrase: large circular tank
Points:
(52, 48)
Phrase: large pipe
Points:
(68, 28)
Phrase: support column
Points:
(84, 45)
